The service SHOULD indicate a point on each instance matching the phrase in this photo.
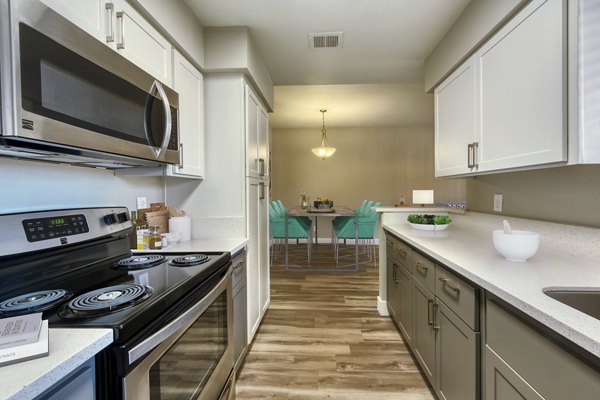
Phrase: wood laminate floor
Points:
(322, 338)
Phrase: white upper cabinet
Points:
(93, 16)
(505, 107)
(189, 83)
(522, 85)
(257, 136)
(141, 44)
(122, 28)
(455, 121)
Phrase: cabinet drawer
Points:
(458, 295)
(239, 268)
(424, 270)
(550, 370)
(399, 252)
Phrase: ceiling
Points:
(375, 79)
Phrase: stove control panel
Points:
(54, 227)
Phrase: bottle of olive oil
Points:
(155, 240)
(142, 233)
(303, 200)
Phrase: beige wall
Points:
(378, 164)
(564, 194)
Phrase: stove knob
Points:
(123, 217)
(110, 219)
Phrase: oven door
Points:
(191, 357)
(73, 90)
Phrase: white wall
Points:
(31, 185)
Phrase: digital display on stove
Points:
(54, 227)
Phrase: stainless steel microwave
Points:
(67, 97)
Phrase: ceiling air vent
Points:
(326, 40)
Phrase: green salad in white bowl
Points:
(428, 222)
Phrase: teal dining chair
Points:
(367, 224)
(297, 229)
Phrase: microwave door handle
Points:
(158, 89)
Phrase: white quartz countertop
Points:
(68, 349)
(232, 245)
(568, 256)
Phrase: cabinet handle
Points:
(469, 153)
(262, 191)
(429, 312)
(121, 17)
(261, 166)
(395, 273)
(403, 252)
(422, 266)
(434, 324)
(475, 147)
(110, 7)
(446, 283)
(181, 155)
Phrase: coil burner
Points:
(105, 301)
(33, 302)
(140, 262)
(189, 260)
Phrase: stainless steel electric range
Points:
(171, 314)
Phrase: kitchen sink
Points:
(586, 301)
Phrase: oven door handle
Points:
(183, 321)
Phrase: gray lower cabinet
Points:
(503, 383)
(457, 362)
(436, 311)
(405, 305)
(392, 287)
(522, 363)
(423, 343)
(240, 310)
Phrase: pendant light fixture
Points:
(323, 151)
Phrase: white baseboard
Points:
(382, 307)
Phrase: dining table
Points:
(337, 211)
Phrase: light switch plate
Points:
(142, 202)
(497, 202)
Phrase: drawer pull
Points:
(395, 273)
(422, 266)
(239, 265)
(434, 320)
(445, 282)
(429, 312)
(403, 252)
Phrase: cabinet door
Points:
(263, 141)
(253, 258)
(141, 44)
(252, 141)
(392, 287)
(456, 356)
(455, 121)
(263, 232)
(522, 87)
(503, 383)
(93, 16)
(405, 302)
(423, 341)
(189, 83)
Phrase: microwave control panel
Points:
(54, 227)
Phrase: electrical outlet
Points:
(497, 202)
(142, 202)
